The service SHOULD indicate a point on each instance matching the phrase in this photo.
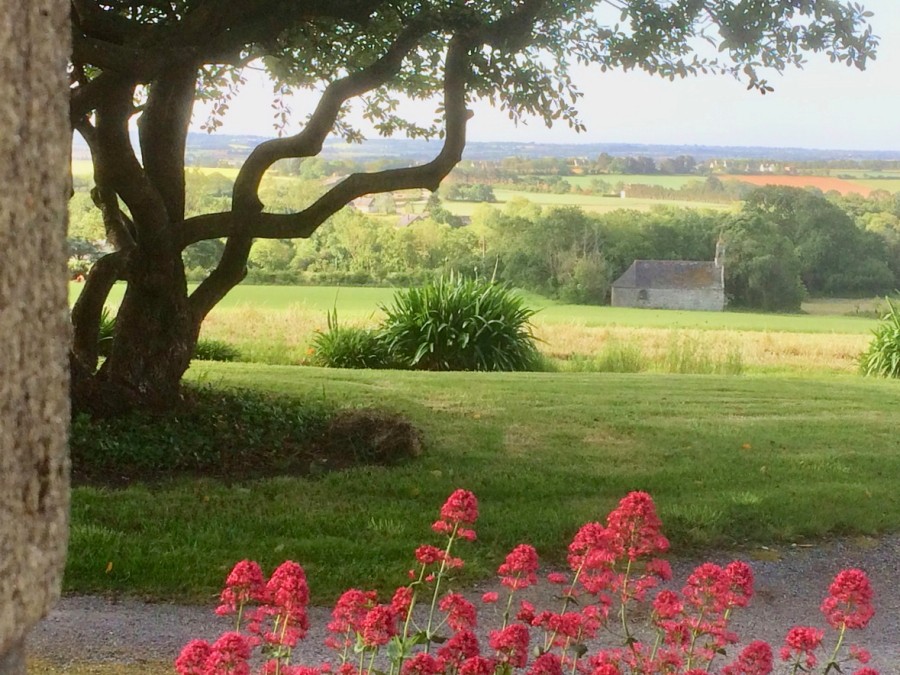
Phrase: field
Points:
(592, 203)
(276, 324)
(674, 182)
(824, 183)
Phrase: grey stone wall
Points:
(705, 299)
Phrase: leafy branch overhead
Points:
(150, 62)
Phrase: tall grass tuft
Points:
(882, 358)
(460, 324)
(349, 346)
(688, 354)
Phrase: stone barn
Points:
(671, 284)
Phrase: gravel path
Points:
(789, 588)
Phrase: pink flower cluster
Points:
(275, 623)
(613, 566)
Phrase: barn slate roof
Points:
(671, 274)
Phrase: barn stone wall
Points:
(711, 299)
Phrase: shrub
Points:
(882, 358)
(349, 347)
(216, 350)
(107, 328)
(460, 324)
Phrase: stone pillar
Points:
(35, 145)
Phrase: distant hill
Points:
(214, 149)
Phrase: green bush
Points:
(460, 324)
(882, 358)
(216, 350)
(107, 328)
(349, 347)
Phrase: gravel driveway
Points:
(790, 585)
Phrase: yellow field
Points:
(285, 335)
(758, 351)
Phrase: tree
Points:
(834, 255)
(34, 159)
(152, 61)
(761, 266)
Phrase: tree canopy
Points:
(150, 62)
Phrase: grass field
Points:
(592, 203)
(674, 182)
(276, 324)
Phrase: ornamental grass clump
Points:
(882, 358)
(349, 347)
(460, 324)
(615, 568)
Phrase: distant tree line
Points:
(782, 245)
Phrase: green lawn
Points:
(730, 461)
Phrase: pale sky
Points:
(825, 105)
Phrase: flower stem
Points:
(437, 587)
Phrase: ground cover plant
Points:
(613, 568)
(731, 462)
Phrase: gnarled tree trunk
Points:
(34, 410)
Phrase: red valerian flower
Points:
(526, 612)
(245, 583)
(350, 611)
(708, 589)
(423, 664)
(511, 643)
(740, 581)
(660, 568)
(460, 509)
(428, 554)
(275, 667)
(667, 605)
(287, 589)
(288, 595)
(490, 597)
(192, 659)
(637, 528)
(557, 578)
(755, 659)
(228, 655)
(857, 653)
(849, 600)
(460, 612)
(463, 645)
(520, 568)
(590, 539)
(801, 643)
(477, 665)
(546, 664)
(402, 600)
(606, 669)
(866, 671)
(379, 626)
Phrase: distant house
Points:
(407, 219)
(672, 284)
(365, 204)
